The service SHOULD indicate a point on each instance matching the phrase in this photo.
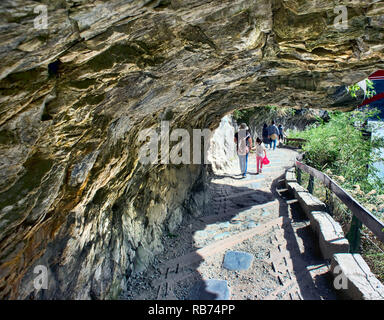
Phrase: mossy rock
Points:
(125, 53)
(7, 137)
(35, 169)
(82, 84)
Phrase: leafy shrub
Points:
(340, 148)
(246, 115)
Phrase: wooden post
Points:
(354, 235)
(298, 175)
(311, 184)
(329, 201)
(333, 190)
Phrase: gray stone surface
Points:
(237, 260)
(266, 212)
(81, 169)
(360, 283)
(255, 185)
(221, 236)
(295, 188)
(222, 148)
(252, 225)
(309, 202)
(330, 234)
(211, 289)
(126, 66)
(290, 176)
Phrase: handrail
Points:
(296, 139)
(299, 141)
(367, 218)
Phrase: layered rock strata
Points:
(75, 96)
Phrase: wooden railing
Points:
(299, 141)
(360, 214)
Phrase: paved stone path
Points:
(253, 243)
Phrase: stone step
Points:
(295, 188)
(291, 201)
(291, 284)
(330, 234)
(235, 195)
(354, 279)
(176, 270)
(231, 212)
(221, 245)
(309, 203)
(237, 260)
(290, 177)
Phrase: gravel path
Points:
(247, 215)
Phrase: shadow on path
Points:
(305, 254)
(228, 221)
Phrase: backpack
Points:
(273, 131)
(243, 148)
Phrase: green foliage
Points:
(370, 89)
(339, 146)
(355, 88)
(172, 235)
(246, 115)
(339, 149)
(239, 115)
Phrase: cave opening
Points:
(54, 68)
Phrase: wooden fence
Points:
(297, 141)
(360, 214)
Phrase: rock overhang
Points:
(125, 66)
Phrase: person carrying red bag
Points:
(261, 153)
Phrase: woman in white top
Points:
(261, 152)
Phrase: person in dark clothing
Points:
(273, 134)
(266, 140)
(281, 133)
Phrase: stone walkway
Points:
(253, 243)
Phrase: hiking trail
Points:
(253, 243)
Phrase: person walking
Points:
(273, 134)
(261, 152)
(243, 142)
(281, 133)
(265, 134)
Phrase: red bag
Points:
(265, 160)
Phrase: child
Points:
(261, 151)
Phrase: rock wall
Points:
(290, 119)
(74, 97)
(222, 148)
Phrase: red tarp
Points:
(378, 75)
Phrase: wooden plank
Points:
(367, 218)
(296, 139)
